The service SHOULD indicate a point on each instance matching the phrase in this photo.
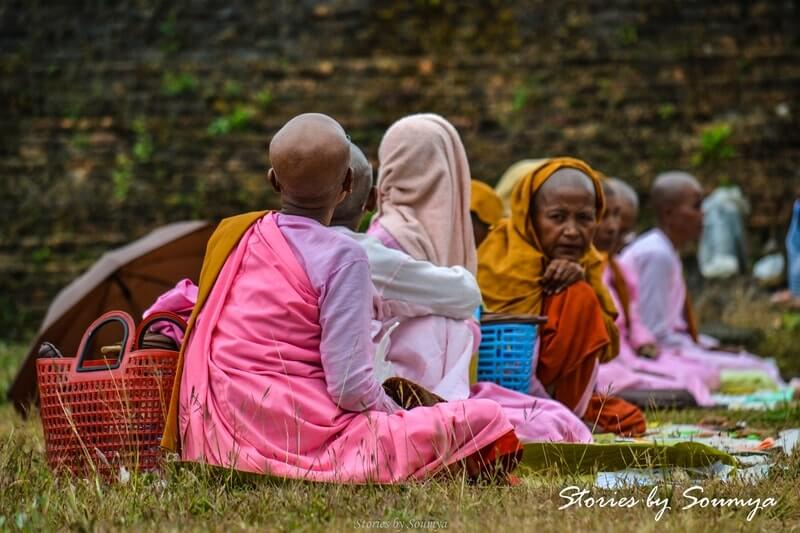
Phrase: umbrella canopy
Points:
(129, 278)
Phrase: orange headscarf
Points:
(511, 262)
(485, 203)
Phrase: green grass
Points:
(193, 498)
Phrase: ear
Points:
(347, 184)
(372, 200)
(273, 179)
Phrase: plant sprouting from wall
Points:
(237, 119)
(715, 146)
(178, 83)
(143, 142)
(122, 177)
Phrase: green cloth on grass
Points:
(577, 459)
(745, 382)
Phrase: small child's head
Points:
(310, 157)
(607, 234)
(364, 197)
(485, 208)
(564, 214)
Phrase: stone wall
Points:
(120, 116)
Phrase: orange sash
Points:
(224, 239)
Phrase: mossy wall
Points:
(121, 116)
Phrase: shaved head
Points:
(608, 188)
(626, 192)
(353, 206)
(310, 157)
(669, 188)
(628, 202)
(608, 229)
(567, 177)
(677, 200)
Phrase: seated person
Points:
(409, 288)
(485, 209)
(541, 261)
(276, 373)
(624, 284)
(625, 372)
(423, 206)
(654, 258)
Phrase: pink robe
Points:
(435, 351)
(630, 371)
(278, 374)
(662, 290)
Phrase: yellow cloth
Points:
(620, 285)
(485, 203)
(511, 263)
(511, 177)
(222, 242)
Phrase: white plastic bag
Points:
(722, 246)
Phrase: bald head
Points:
(671, 188)
(628, 202)
(567, 178)
(350, 211)
(608, 188)
(677, 200)
(310, 158)
(626, 192)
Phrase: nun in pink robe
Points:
(662, 291)
(278, 375)
(424, 201)
(630, 371)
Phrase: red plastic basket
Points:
(102, 415)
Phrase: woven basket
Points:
(105, 415)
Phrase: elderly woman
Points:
(541, 261)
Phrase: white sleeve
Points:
(421, 288)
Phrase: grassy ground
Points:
(32, 499)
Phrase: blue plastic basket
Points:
(506, 355)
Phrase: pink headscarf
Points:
(424, 191)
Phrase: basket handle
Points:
(160, 316)
(128, 328)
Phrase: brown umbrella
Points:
(129, 278)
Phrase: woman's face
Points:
(610, 225)
(563, 217)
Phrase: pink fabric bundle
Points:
(179, 300)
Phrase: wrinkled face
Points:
(686, 216)
(608, 230)
(564, 220)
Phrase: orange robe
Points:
(570, 343)
(615, 415)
